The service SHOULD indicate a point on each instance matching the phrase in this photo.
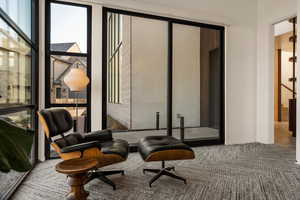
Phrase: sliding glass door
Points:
(162, 76)
(196, 82)
(136, 76)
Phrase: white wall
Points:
(41, 136)
(269, 12)
(96, 67)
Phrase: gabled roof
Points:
(68, 69)
(61, 46)
(71, 61)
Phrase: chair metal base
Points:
(102, 175)
(164, 171)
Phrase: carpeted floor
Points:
(250, 171)
(7, 180)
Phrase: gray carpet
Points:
(251, 171)
(7, 180)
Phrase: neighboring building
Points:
(61, 65)
(15, 70)
(60, 92)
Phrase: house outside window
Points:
(61, 65)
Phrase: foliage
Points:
(15, 147)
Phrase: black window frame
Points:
(171, 21)
(49, 53)
(33, 106)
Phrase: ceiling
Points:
(282, 28)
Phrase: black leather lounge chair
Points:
(99, 144)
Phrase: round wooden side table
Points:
(76, 170)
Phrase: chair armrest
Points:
(80, 147)
(100, 136)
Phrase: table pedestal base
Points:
(76, 181)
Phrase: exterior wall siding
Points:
(122, 111)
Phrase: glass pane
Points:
(68, 28)
(15, 68)
(22, 119)
(20, 12)
(196, 81)
(60, 66)
(137, 76)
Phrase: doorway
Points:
(285, 82)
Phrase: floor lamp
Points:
(77, 81)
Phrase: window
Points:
(69, 19)
(114, 57)
(68, 46)
(18, 74)
(19, 12)
(15, 68)
(60, 65)
(170, 74)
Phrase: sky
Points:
(20, 12)
(69, 24)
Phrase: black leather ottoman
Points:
(163, 148)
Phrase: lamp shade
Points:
(76, 79)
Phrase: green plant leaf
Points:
(15, 146)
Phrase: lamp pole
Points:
(76, 111)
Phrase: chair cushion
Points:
(81, 147)
(72, 139)
(102, 136)
(76, 138)
(119, 147)
(159, 148)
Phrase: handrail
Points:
(286, 87)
